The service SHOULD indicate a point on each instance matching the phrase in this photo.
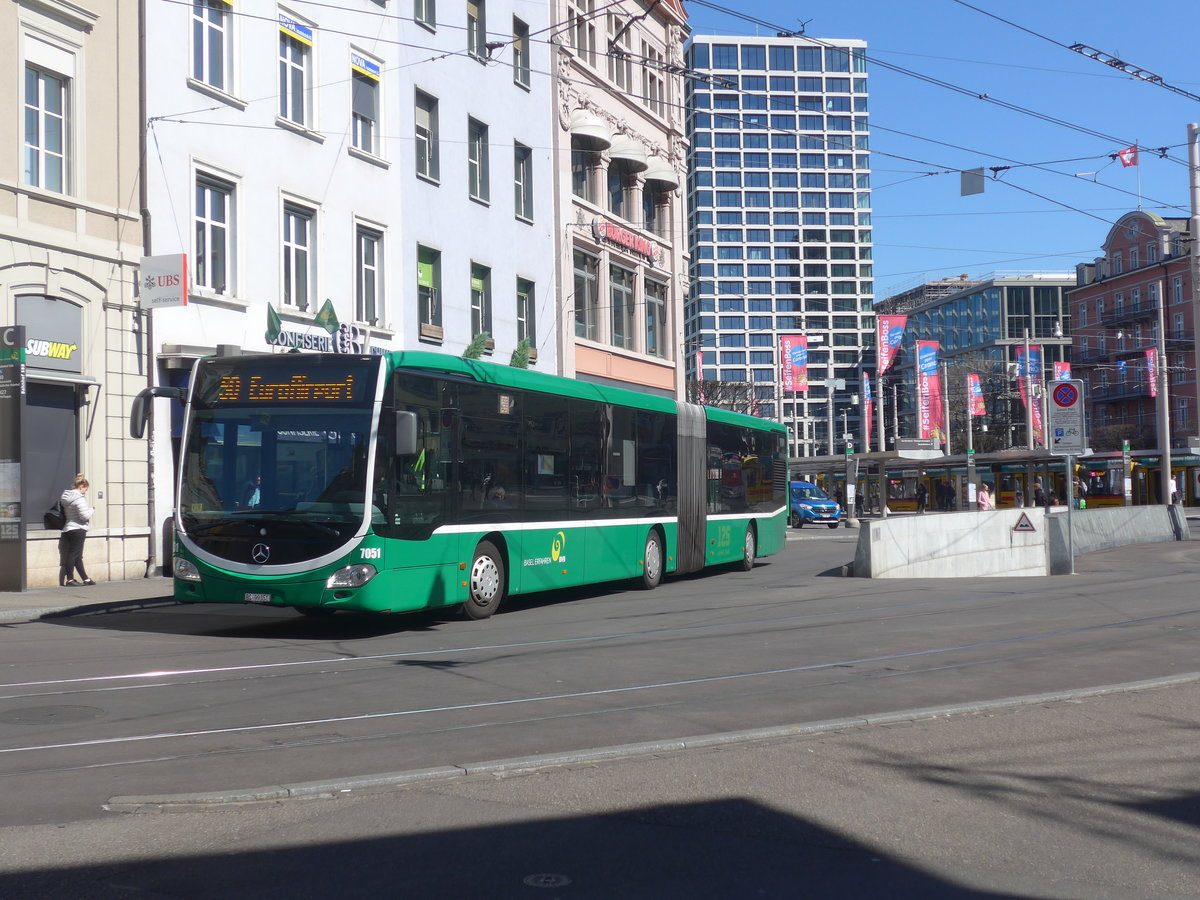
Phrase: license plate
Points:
(258, 598)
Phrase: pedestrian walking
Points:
(1174, 486)
(922, 496)
(984, 497)
(1039, 493)
(78, 513)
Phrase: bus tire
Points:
(652, 560)
(485, 589)
(749, 549)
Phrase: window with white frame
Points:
(1182, 413)
(620, 66)
(620, 292)
(587, 295)
(295, 71)
(429, 289)
(427, 136)
(1177, 289)
(212, 43)
(1179, 334)
(520, 53)
(425, 13)
(364, 103)
(477, 29)
(1133, 258)
(1082, 315)
(477, 161)
(582, 17)
(526, 326)
(1151, 252)
(481, 299)
(299, 257)
(212, 254)
(368, 259)
(523, 182)
(47, 130)
(656, 318)
(653, 84)
(621, 182)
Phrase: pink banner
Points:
(1062, 371)
(975, 396)
(1028, 371)
(869, 407)
(793, 362)
(1152, 370)
(891, 333)
(929, 391)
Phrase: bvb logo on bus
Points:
(556, 548)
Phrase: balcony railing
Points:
(1130, 390)
(1129, 312)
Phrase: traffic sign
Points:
(1023, 524)
(1068, 435)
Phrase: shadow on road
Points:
(718, 849)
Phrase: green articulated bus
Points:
(414, 480)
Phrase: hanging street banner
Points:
(975, 395)
(1152, 370)
(869, 407)
(929, 390)
(891, 333)
(793, 362)
(1062, 371)
(1027, 370)
(162, 281)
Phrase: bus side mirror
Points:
(139, 413)
(406, 433)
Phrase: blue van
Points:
(811, 504)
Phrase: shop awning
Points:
(629, 153)
(588, 131)
(663, 173)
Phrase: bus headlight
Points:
(185, 569)
(351, 576)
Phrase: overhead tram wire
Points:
(928, 79)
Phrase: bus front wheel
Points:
(486, 586)
(652, 561)
(749, 549)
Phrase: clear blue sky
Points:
(923, 229)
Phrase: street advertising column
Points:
(929, 390)
(12, 411)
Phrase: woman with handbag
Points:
(78, 513)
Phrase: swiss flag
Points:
(1128, 156)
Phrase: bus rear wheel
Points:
(486, 586)
(749, 549)
(652, 561)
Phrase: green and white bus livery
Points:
(415, 480)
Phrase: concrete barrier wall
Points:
(974, 544)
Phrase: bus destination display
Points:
(275, 385)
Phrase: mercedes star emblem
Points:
(261, 553)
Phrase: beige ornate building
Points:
(621, 161)
(70, 240)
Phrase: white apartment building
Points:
(780, 225)
(621, 156)
(394, 159)
(70, 241)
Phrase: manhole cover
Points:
(49, 715)
(546, 880)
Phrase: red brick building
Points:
(1116, 312)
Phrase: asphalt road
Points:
(192, 699)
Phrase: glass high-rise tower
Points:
(779, 226)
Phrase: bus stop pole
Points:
(1070, 479)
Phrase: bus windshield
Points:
(268, 457)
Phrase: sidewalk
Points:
(103, 596)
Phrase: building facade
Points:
(396, 169)
(982, 330)
(1133, 311)
(780, 226)
(70, 239)
(621, 155)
